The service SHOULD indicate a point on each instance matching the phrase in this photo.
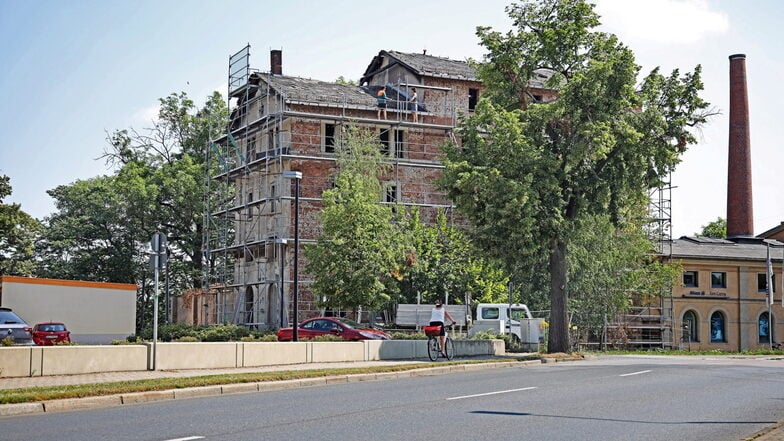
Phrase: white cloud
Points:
(662, 21)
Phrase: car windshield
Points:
(350, 323)
(9, 317)
(54, 327)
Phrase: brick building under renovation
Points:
(281, 124)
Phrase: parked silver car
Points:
(13, 327)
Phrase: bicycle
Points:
(433, 351)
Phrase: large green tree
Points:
(358, 252)
(526, 172)
(102, 227)
(443, 261)
(18, 231)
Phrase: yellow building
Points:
(721, 301)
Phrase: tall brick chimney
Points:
(276, 62)
(740, 210)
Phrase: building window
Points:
(690, 327)
(473, 98)
(329, 138)
(383, 138)
(390, 193)
(400, 144)
(717, 328)
(762, 282)
(270, 140)
(273, 195)
(251, 152)
(718, 279)
(690, 279)
(249, 207)
(763, 325)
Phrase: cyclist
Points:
(437, 315)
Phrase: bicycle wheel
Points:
(432, 348)
(449, 348)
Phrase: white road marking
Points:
(190, 438)
(634, 373)
(491, 393)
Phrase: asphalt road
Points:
(609, 398)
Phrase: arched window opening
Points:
(718, 333)
(690, 327)
(763, 327)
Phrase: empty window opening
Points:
(473, 98)
(329, 138)
(383, 137)
(399, 144)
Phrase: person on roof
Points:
(381, 97)
(414, 103)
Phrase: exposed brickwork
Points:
(740, 215)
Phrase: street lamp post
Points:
(281, 250)
(297, 176)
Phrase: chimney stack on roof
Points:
(276, 62)
(740, 210)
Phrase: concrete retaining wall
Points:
(65, 360)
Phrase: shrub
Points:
(486, 335)
(223, 333)
(187, 339)
(175, 332)
(408, 336)
(327, 338)
(8, 341)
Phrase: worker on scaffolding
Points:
(414, 103)
(381, 97)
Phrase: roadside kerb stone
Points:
(337, 379)
(239, 387)
(195, 392)
(146, 397)
(313, 381)
(21, 409)
(268, 386)
(82, 403)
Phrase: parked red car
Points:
(47, 334)
(344, 328)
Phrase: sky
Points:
(73, 71)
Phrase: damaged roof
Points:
(439, 67)
(423, 65)
(308, 91)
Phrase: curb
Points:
(69, 404)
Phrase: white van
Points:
(503, 318)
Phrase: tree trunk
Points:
(558, 336)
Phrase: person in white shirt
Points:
(437, 315)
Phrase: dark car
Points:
(48, 334)
(340, 327)
(13, 327)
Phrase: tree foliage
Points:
(102, 227)
(526, 173)
(18, 232)
(716, 229)
(355, 257)
(443, 262)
